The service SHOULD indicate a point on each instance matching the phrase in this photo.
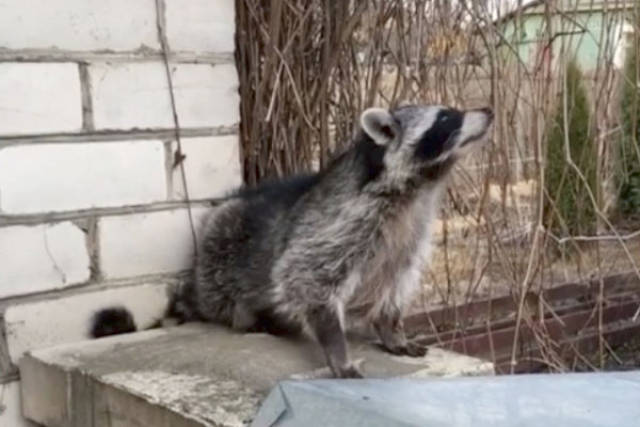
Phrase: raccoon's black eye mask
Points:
(434, 141)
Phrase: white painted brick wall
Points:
(78, 24)
(11, 409)
(39, 98)
(41, 257)
(127, 96)
(62, 320)
(212, 167)
(58, 177)
(49, 178)
(196, 25)
(155, 242)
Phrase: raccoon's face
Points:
(420, 138)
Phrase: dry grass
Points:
(460, 272)
(308, 68)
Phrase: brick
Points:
(78, 24)
(156, 242)
(127, 96)
(212, 167)
(10, 406)
(199, 25)
(59, 177)
(51, 322)
(42, 257)
(39, 98)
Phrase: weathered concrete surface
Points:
(192, 375)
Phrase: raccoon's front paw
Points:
(415, 349)
(349, 372)
(411, 349)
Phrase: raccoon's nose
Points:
(488, 111)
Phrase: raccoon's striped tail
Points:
(116, 320)
(112, 321)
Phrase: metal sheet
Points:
(580, 400)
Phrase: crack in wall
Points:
(56, 267)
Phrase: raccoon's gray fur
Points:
(297, 253)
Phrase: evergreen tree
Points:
(569, 210)
(628, 170)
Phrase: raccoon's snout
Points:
(475, 125)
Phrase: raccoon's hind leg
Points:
(326, 323)
(390, 328)
(265, 320)
(243, 320)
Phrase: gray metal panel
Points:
(580, 400)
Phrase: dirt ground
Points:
(624, 357)
(477, 259)
(620, 358)
(473, 260)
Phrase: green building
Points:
(538, 33)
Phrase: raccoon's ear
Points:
(379, 125)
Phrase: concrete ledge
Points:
(192, 375)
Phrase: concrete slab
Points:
(192, 375)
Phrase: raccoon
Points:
(298, 254)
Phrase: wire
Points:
(164, 44)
